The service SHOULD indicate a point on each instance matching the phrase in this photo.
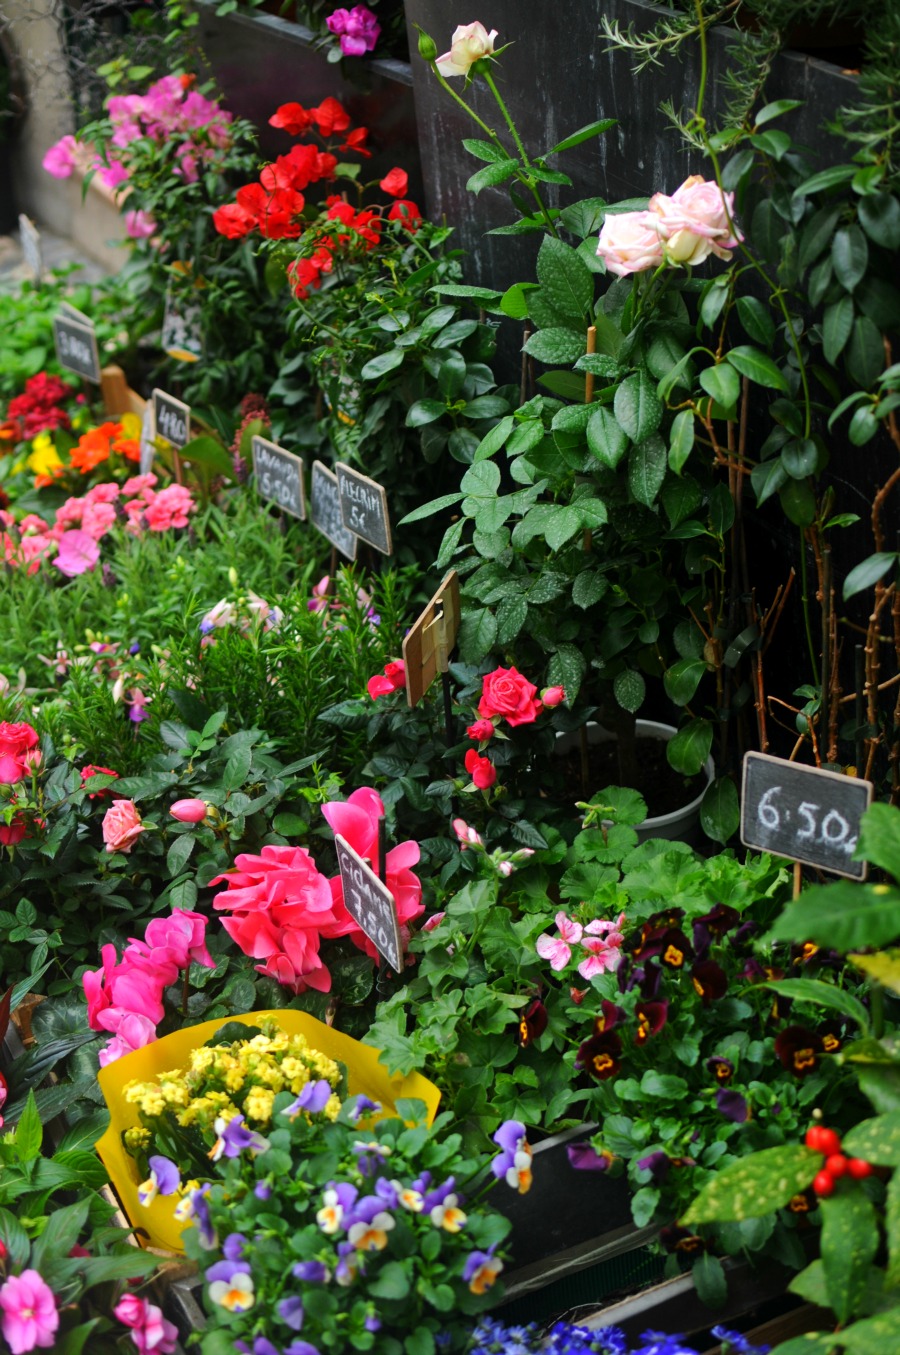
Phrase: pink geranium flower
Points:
(30, 1319)
(603, 942)
(558, 949)
(78, 552)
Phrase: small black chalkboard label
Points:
(76, 344)
(364, 507)
(325, 510)
(279, 476)
(370, 903)
(804, 813)
(172, 417)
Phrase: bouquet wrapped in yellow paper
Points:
(172, 1102)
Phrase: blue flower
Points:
(233, 1246)
(311, 1272)
(658, 1343)
(733, 1341)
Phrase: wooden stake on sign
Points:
(798, 880)
(430, 640)
(118, 397)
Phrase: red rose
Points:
(481, 731)
(395, 182)
(107, 793)
(506, 692)
(15, 741)
(481, 769)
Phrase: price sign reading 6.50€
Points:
(370, 903)
(804, 813)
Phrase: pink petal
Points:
(553, 949)
(569, 930)
(353, 823)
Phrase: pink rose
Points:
(696, 221)
(189, 811)
(393, 678)
(122, 826)
(15, 741)
(629, 243)
(506, 692)
(481, 731)
(470, 42)
(553, 696)
(481, 769)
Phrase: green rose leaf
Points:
(647, 469)
(492, 174)
(755, 1185)
(837, 323)
(850, 256)
(681, 440)
(757, 366)
(606, 439)
(879, 215)
(629, 689)
(555, 346)
(868, 572)
(683, 678)
(722, 383)
(566, 278)
(637, 407)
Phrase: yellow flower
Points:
(332, 1107)
(44, 459)
(137, 1138)
(258, 1105)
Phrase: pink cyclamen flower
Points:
(630, 243)
(182, 936)
(122, 826)
(60, 158)
(558, 949)
(150, 1331)
(134, 1032)
(30, 1319)
(470, 42)
(189, 811)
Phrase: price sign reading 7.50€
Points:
(804, 813)
(370, 903)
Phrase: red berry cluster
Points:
(837, 1164)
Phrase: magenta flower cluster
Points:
(357, 28)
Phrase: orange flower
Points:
(95, 446)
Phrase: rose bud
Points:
(553, 696)
(189, 811)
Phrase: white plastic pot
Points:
(679, 825)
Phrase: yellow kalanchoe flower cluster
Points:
(239, 1078)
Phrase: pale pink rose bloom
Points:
(696, 221)
(470, 42)
(629, 243)
(122, 826)
(60, 159)
(140, 225)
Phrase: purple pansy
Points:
(313, 1099)
(362, 1107)
(584, 1158)
(311, 1272)
(732, 1105)
(290, 1310)
(226, 1270)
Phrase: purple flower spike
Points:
(290, 1311)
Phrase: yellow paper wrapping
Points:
(365, 1075)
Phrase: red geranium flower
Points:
(395, 182)
(330, 116)
(409, 214)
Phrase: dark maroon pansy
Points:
(710, 980)
(650, 1017)
(599, 1055)
(674, 1238)
(532, 1023)
(732, 1105)
(674, 949)
(722, 1069)
(799, 1049)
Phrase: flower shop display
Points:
(206, 728)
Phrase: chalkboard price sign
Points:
(325, 510)
(172, 417)
(804, 813)
(279, 476)
(370, 903)
(76, 344)
(364, 507)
